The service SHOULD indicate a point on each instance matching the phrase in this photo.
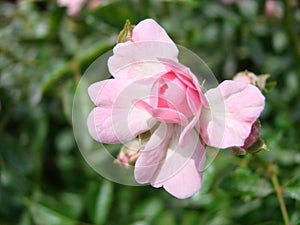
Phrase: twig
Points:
(278, 190)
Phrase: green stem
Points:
(271, 171)
(278, 190)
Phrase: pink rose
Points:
(153, 94)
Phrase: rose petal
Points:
(150, 30)
(181, 172)
(116, 120)
(139, 57)
(234, 107)
(153, 153)
(165, 115)
(105, 93)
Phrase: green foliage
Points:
(44, 180)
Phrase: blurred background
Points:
(45, 47)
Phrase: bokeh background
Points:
(44, 50)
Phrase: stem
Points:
(271, 172)
(278, 190)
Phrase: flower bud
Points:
(253, 143)
(251, 78)
(254, 135)
(129, 153)
(246, 76)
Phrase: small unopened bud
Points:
(246, 76)
(126, 33)
(251, 78)
(129, 153)
(253, 143)
(254, 135)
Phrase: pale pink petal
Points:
(150, 30)
(153, 154)
(188, 180)
(195, 106)
(106, 92)
(181, 171)
(234, 107)
(116, 120)
(139, 58)
(165, 115)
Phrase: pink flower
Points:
(153, 94)
(74, 6)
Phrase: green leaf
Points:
(249, 184)
(293, 192)
(42, 215)
(166, 218)
(71, 204)
(148, 209)
(103, 202)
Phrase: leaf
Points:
(293, 192)
(103, 202)
(166, 218)
(249, 184)
(42, 215)
(71, 204)
(148, 209)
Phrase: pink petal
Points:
(116, 120)
(117, 126)
(139, 57)
(153, 154)
(171, 94)
(165, 115)
(187, 181)
(234, 107)
(185, 75)
(106, 92)
(181, 172)
(150, 30)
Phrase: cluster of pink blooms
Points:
(156, 107)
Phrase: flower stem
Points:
(278, 190)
